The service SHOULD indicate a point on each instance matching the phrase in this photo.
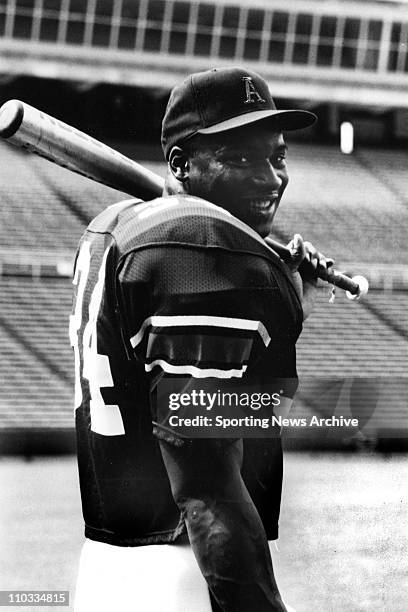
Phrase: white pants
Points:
(157, 578)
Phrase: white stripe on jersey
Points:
(200, 320)
(123, 203)
(157, 207)
(194, 371)
(190, 205)
(164, 203)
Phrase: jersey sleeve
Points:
(198, 319)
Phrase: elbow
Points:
(208, 531)
(195, 511)
(202, 520)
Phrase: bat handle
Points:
(354, 287)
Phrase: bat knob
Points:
(362, 283)
(11, 116)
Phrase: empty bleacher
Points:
(390, 167)
(340, 341)
(45, 207)
(35, 363)
(349, 338)
(359, 345)
(342, 204)
(352, 211)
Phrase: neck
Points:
(172, 186)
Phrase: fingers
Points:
(297, 246)
(303, 250)
(316, 259)
(297, 250)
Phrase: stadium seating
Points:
(351, 209)
(352, 350)
(332, 199)
(359, 346)
(390, 167)
(36, 361)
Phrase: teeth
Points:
(261, 204)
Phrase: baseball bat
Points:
(39, 133)
(60, 143)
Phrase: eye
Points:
(239, 160)
(279, 160)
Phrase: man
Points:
(184, 291)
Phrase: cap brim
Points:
(283, 119)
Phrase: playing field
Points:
(343, 544)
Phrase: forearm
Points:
(232, 551)
(306, 291)
(224, 527)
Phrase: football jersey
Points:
(174, 289)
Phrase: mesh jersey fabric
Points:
(175, 288)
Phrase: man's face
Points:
(242, 170)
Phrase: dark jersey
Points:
(172, 289)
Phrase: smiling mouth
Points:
(264, 203)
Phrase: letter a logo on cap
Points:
(251, 94)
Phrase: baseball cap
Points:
(222, 99)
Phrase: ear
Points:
(179, 164)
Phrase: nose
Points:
(267, 176)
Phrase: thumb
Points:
(297, 249)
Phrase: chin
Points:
(264, 232)
(262, 226)
(263, 229)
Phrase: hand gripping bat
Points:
(39, 133)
